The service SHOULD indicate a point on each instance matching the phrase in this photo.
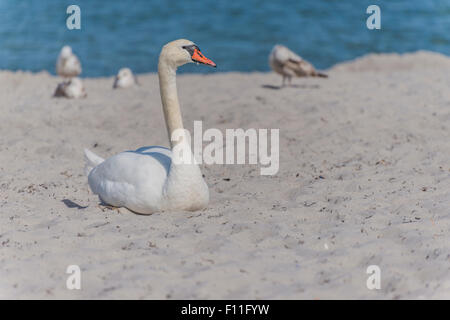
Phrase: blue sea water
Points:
(237, 35)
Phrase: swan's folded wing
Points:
(131, 179)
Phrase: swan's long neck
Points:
(169, 97)
(184, 187)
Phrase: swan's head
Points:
(124, 73)
(180, 52)
(66, 51)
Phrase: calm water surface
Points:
(237, 35)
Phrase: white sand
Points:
(377, 132)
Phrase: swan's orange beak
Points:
(197, 56)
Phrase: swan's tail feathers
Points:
(322, 75)
(92, 160)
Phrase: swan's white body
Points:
(73, 88)
(151, 179)
(68, 64)
(288, 64)
(146, 181)
(124, 79)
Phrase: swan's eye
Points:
(190, 49)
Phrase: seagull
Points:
(68, 64)
(288, 64)
(73, 88)
(124, 79)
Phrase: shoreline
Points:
(394, 56)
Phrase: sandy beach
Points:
(364, 179)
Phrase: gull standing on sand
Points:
(152, 179)
(288, 64)
(68, 64)
(125, 79)
(73, 88)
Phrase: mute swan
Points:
(73, 88)
(124, 79)
(288, 64)
(68, 65)
(154, 179)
